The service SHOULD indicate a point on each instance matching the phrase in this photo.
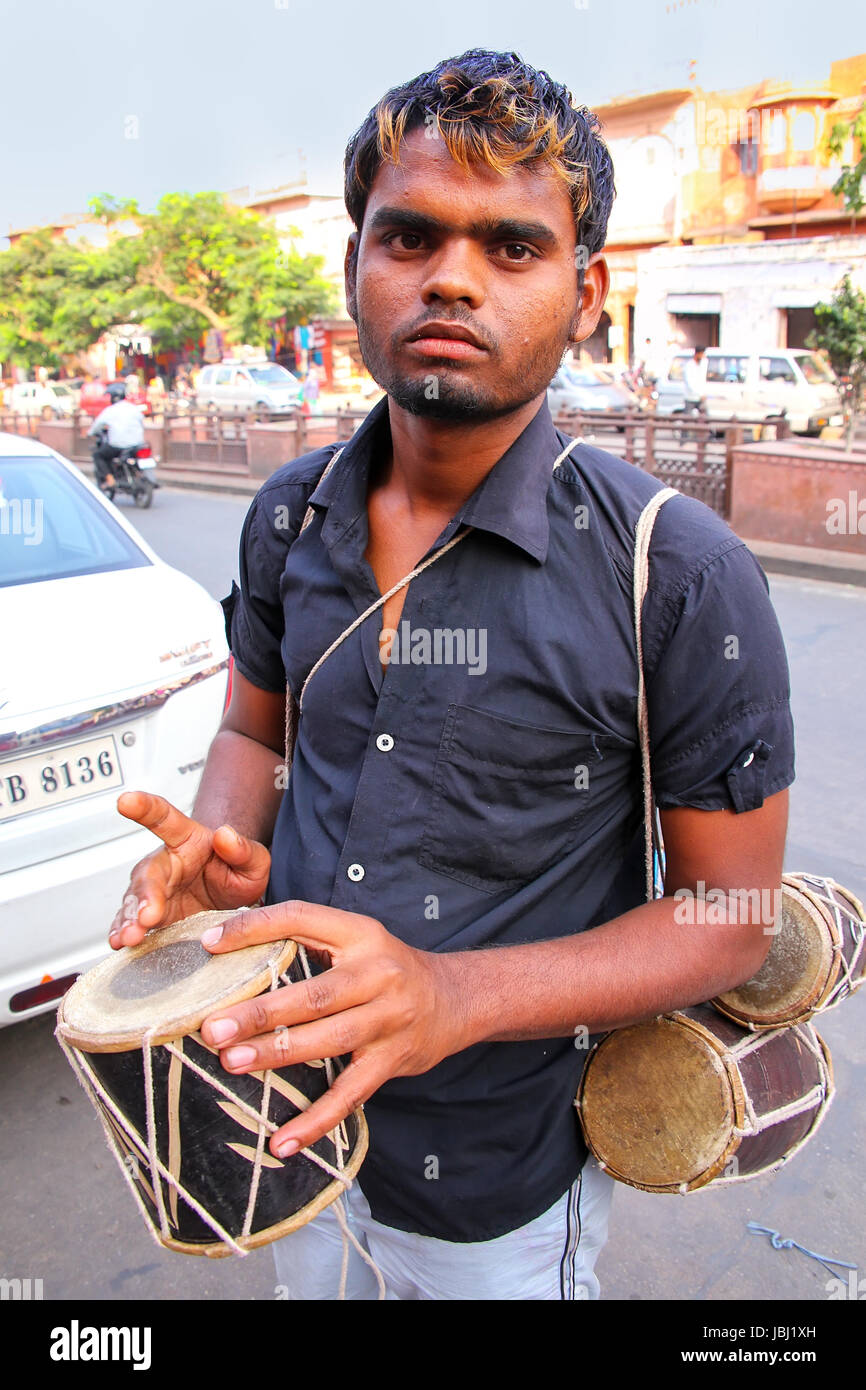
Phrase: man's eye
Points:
(411, 240)
(518, 251)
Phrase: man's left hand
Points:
(392, 1007)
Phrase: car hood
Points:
(72, 644)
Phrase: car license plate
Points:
(837, 419)
(38, 780)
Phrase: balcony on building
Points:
(792, 175)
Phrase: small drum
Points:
(689, 1099)
(817, 957)
(190, 1137)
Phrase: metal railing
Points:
(690, 453)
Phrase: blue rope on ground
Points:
(779, 1244)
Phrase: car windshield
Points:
(51, 527)
(579, 376)
(813, 368)
(273, 375)
(60, 390)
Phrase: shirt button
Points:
(355, 872)
(384, 743)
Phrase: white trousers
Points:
(552, 1257)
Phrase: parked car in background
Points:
(236, 387)
(752, 385)
(94, 397)
(114, 678)
(50, 400)
(585, 388)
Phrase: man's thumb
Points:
(235, 849)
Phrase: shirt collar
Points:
(510, 502)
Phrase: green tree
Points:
(850, 183)
(199, 262)
(841, 333)
(54, 301)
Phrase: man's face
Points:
(443, 250)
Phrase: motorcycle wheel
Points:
(143, 494)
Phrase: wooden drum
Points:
(689, 1099)
(190, 1137)
(817, 957)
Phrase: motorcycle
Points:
(131, 471)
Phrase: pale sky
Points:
(225, 93)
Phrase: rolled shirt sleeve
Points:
(254, 613)
(718, 691)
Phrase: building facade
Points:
(742, 170)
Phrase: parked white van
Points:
(752, 385)
(235, 387)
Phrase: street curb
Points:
(234, 487)
(802, 563)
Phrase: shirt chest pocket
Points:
(509, 798)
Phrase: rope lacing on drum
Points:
(348, 1235)
(853, 923)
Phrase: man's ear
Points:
(351, 272)
(596, 283)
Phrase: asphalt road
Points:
(68, 1219)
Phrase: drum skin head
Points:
(798, 972)
(659, 1105)
(168, 984)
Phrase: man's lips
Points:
(445, 340)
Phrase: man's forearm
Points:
(637, 966)
(239, 787)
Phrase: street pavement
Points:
(68, 1219)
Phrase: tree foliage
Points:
(197, 262)
(850, 184)
(841, 333)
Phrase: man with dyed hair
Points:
(462, 847)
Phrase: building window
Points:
(803, 133)
(775, 133)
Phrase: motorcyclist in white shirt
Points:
(119, 426)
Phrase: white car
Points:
(752, 385)
(49, 399)
(114, 675)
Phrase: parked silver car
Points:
(584, 388)
(235, 387)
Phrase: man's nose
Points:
(456, 272)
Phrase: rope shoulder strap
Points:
(643, 534)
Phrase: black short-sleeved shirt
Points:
(487, 789)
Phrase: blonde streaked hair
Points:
(493, 109)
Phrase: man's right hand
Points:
(195, 870)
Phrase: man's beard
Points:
(446, 393)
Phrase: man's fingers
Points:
(335, 1036)
(352, 1087)
(311, 924)
(304, 1002)
(156, 814)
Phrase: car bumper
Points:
(55, 915)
